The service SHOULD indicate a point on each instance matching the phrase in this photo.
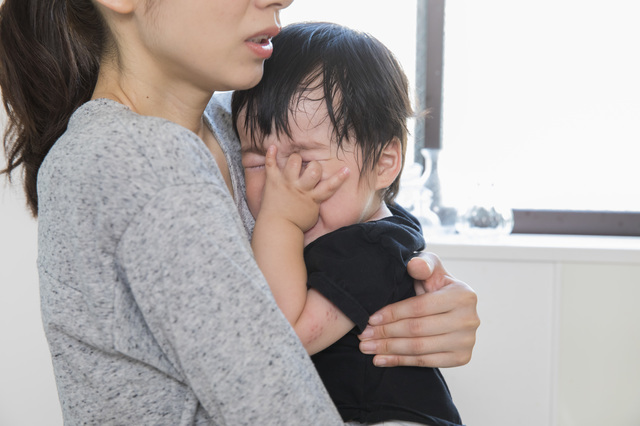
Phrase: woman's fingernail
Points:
(368, 347)
(375, 319)
(367, 333)
(380, 361)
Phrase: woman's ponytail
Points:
(50, 52)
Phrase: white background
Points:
(541, 99)
(27, 389)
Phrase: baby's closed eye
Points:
(253, 161)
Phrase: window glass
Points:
(542, 99)
(394, 24)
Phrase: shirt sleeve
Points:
(360, 271)
(189, 266)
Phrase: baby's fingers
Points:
(311, 175)
(270, 162)
(327, 187)
(292, 166)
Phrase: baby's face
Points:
(356, 200)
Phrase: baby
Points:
(323, 142)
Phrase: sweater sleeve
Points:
(190, 270)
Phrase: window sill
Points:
(536, 248)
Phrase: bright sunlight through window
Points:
(540, 99)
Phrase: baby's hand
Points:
(296, 192)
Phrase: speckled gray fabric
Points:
(154, 309)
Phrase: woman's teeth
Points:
(259, 40)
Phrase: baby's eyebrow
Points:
(311, 144)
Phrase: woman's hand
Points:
(436, 328)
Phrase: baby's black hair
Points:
(365, 89)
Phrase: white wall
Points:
(27, 388)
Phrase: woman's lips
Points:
(260, 44)
(262, 49)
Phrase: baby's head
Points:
(327, 84)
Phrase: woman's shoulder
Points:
(110, 157)
(103, 124)
(104, 136)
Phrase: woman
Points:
(154, 309)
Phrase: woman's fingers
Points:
(434, 329)
(424, 306)
(439, 351)
(421, 268)
(433, 360)
(428, 273)
(432, 325)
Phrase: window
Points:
(394, 24)
(540, 99)
(543, 100)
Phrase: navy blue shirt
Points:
(362, 268)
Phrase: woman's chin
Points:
(250, 79)
(240, 81)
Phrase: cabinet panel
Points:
(510, 377)
(599, 362)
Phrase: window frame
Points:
(428, 134)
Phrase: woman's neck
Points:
(179, 103)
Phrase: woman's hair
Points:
(50, 52)
(364, 88)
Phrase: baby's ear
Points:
(389, 164)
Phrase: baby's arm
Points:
(290, 206)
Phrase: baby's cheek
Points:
(329, 210)
(254, 207)
(254, 194)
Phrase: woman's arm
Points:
(290, 206)
(437, 328)
(203, 298)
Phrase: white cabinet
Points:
(559, 343)
(511, 368)
(599, 351)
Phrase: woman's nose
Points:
(278, 4)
